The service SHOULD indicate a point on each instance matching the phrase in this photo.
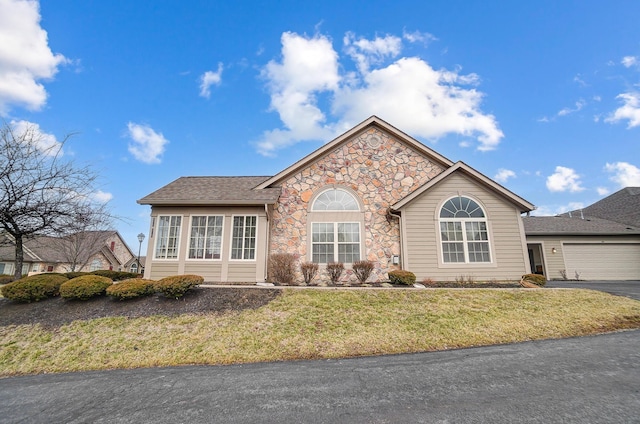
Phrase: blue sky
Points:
(543, 96)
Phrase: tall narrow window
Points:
(167, 238)
(243, 242)
(206, 237)
(463, 230)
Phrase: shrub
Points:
(177, 285)
(75, 274)
(115, 275)
(5, 279)
(84, 287)
(131, 288)
(34, 288)
(402, 277)
(282, 268)
(537, 279)
(335, 269)
(363, 270)
(309, 271)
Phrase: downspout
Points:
(399, 217)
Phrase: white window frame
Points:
(219, 258)
(465, 241)
(244, 238)
(336, 243)
(159, 238)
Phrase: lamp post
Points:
(140, 239)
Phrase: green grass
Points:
(313, 324)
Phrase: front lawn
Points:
(314, 324)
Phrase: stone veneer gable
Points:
(379, 168)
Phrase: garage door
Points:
(603, 261)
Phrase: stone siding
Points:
(380, 169)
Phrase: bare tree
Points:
(41, 193)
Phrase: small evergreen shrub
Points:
(85, 287)
(282, 268)
(34, 288)
(362, 270)
(115, 275)
(402, 277)
(130, 289)
(537, 279)
(309, 272)
(75, 274)
(5, 279)
(177, 285)
(335, 270)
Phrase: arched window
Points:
(335, 200)
(134, 268)
(335, 236)
(95, 265)
(463, 231)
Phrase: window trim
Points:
(255, 253)
(465, 242)
(178, 238)
(221, 239)
(336, 243)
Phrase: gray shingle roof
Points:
(213, 191)
(546, 225)
(622, 206)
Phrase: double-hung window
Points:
(167, 236)
(463, 231)
(335, 239)
(205, 241)
(243, 239)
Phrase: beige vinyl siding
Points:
(422, 254)
(219, 270)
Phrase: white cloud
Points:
(629, 61)
(25, 56)
(102, 197)
(44, 142)
(419, 37)
(602, 191)
(564, 179)
(625, 174)
(630, 110)
(147, 145)
(408, 93)
(210, 78)
(567, 110)
(503, 175)
(552, 210)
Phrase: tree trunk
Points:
(17, 274)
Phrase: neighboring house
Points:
(87, 251)
(599, 242)
(374, 193)
(132, 265)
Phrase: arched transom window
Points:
(463, 230)
(335, 236)
(335, 200)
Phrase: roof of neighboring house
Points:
(622, 206)
(143, 261)
(563, 225)
(213, 191)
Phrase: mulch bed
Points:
(57, 311)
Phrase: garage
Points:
(603, 261)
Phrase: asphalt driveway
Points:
(620, 288)
(583, 380)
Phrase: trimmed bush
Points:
(130, 289)
(85, 287)
(362, 270)
(536, 279)
(75, 274)
(115, 275)
(402, 277)
(177, 285)
(309, 271)
(5, 279)
(335, 269)
(282, 268)
(34, 288)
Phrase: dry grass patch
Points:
(309, 324)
